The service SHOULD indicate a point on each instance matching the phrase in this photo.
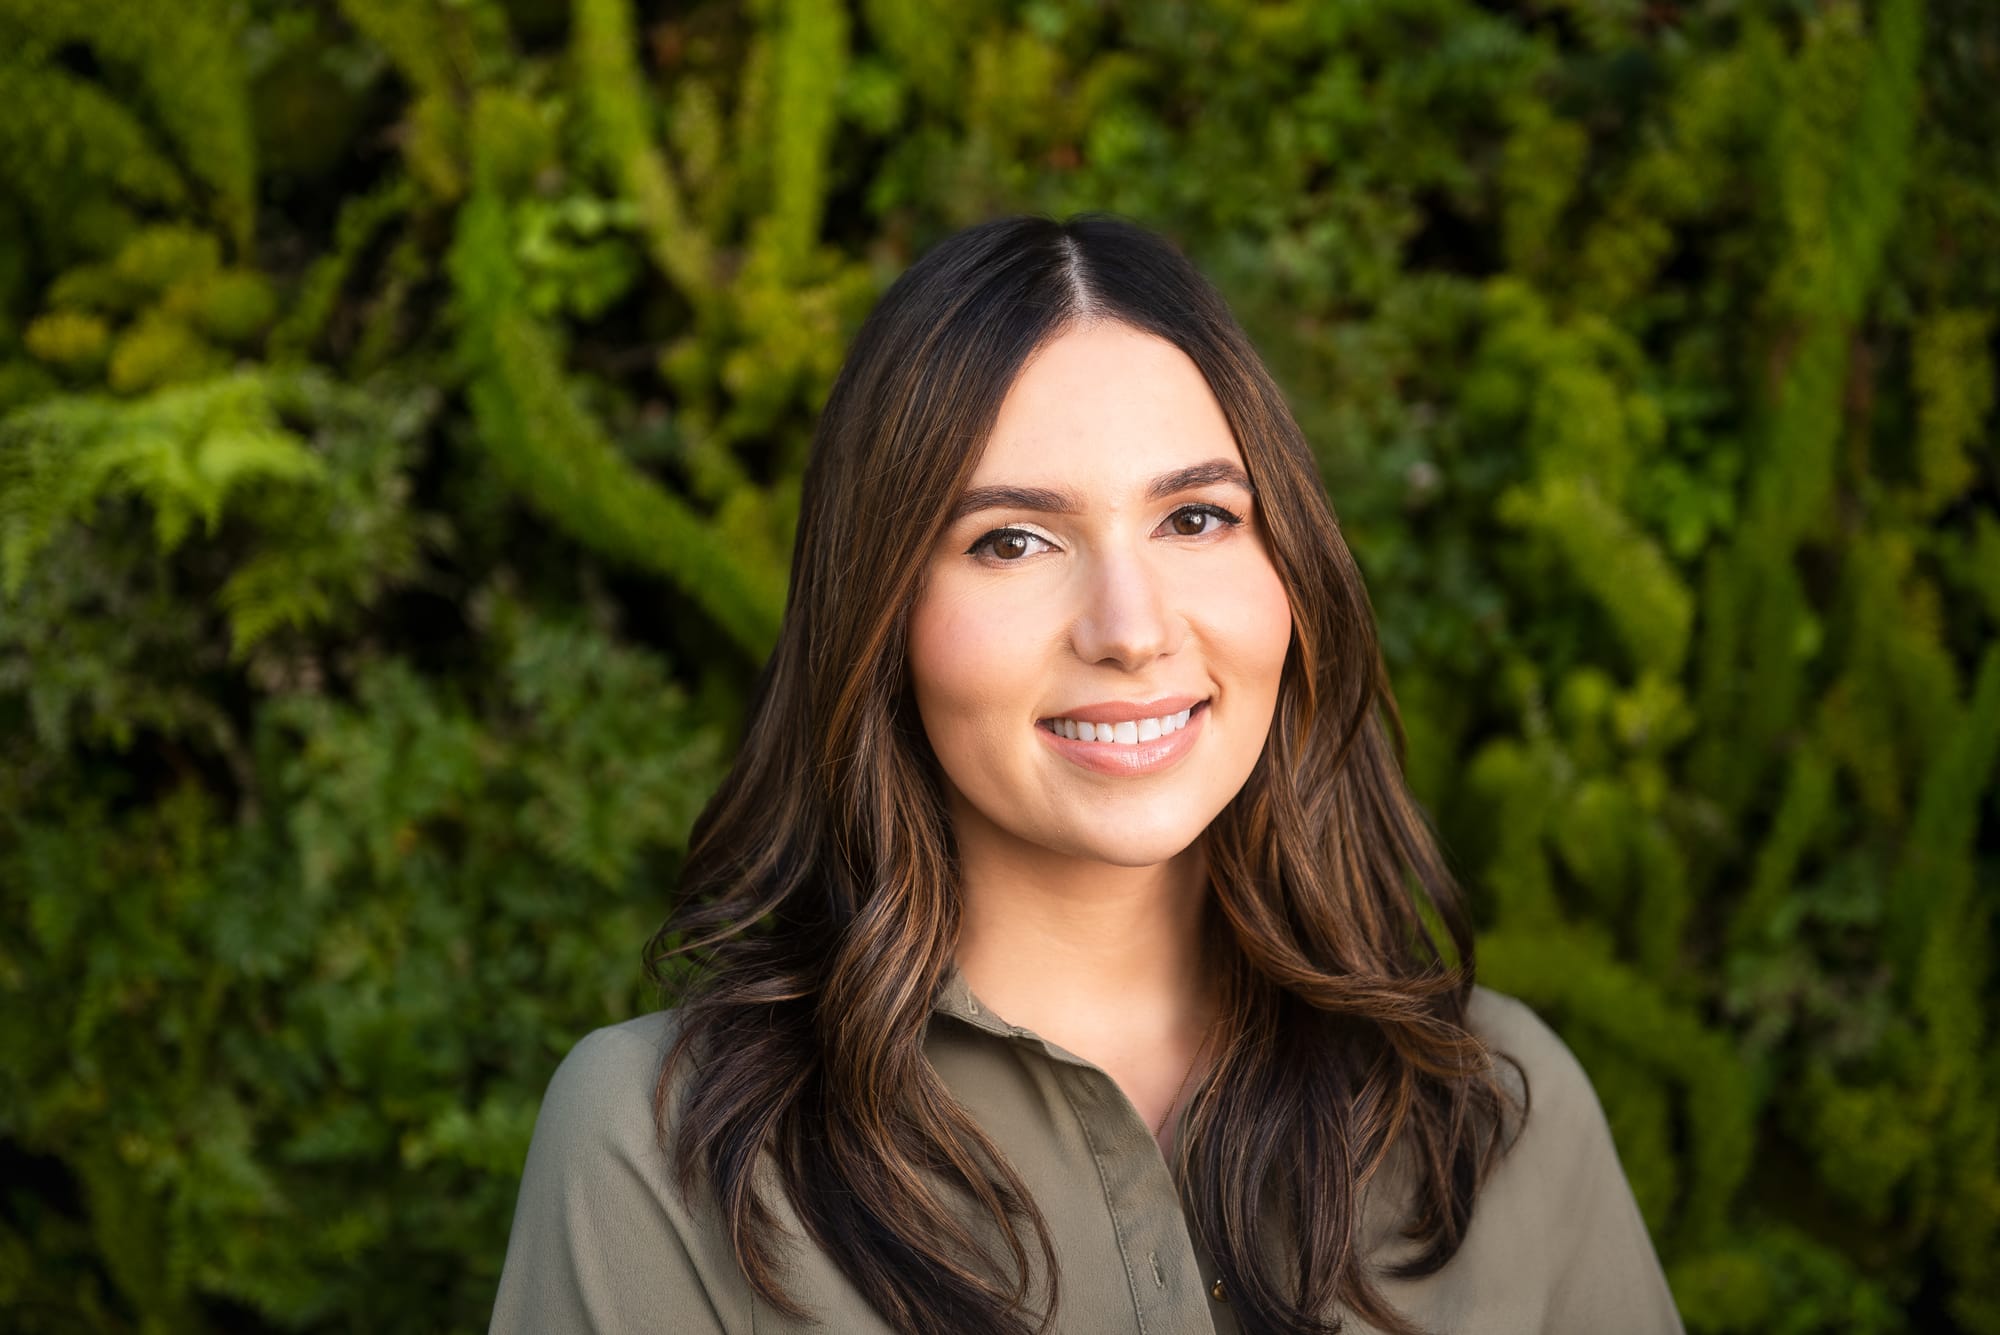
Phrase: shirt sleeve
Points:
(597, 1243)
(1602, 1271)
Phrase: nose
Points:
(1128, 617)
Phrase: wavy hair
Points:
(819, 905)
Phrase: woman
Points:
(1068, 954)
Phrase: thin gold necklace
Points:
(1167, 1116)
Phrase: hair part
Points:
(820, 894)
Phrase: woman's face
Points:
(1105, 574)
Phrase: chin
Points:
(1132, 848)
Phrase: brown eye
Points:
(1009, 545)
(1200, 521)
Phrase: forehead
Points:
(1105, 406)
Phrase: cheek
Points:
(1272, 611)
(1249, 625)
(966, 666)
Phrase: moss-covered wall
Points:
(402, 404)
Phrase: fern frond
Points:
(183, 450)
(191, 68)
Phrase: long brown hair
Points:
(820, 907)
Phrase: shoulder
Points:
(1560, 1164)
(1556, 1230)
(602, 1237)
(1552, 1112)
(1507, 1023)
(1556, 1241)
(597, 1062)
(601, 1095)
(1557, 1144)
(1535, 1065)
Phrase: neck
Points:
(1065, 946)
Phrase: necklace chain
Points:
(1181, 1089)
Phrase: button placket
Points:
(1144, 1206)
(1164, 1279)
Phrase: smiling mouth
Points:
(1123, 732)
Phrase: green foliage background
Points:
(401, 410)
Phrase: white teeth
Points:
(1127, 733)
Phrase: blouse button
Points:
(1215, 1292)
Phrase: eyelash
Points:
(1227, 518)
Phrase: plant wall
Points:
(402, 407)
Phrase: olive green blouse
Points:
(602, 1241)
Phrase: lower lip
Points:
(1122, 758)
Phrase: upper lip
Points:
(1126, 711)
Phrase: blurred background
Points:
(402, 406)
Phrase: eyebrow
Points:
(1056, 501)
